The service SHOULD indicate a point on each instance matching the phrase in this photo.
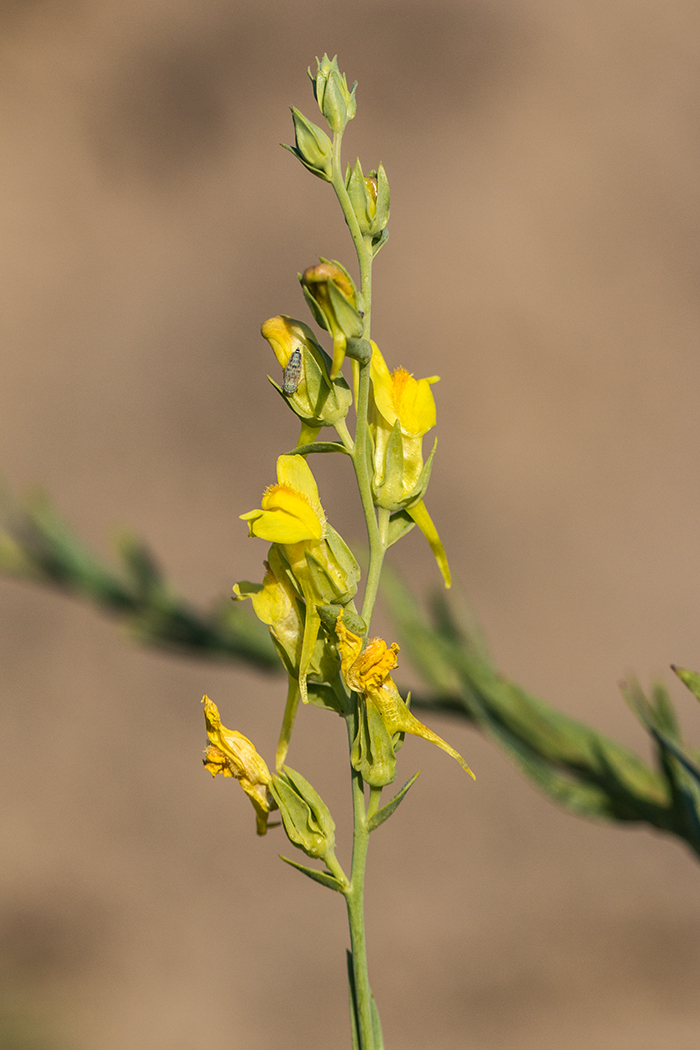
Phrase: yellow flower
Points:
(306, 384)
(233, 755)
(398, 396)
(368, 671)
(322, 566)
(290, 511)
(403, 412)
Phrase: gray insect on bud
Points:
(292, 373)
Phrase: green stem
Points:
(377, 538)
(354, 899)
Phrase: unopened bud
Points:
(335, 100)
(312, 146)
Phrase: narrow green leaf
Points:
(354, 1026)
(385, 812)
(689, 678)
(318, 446)
(324, 877)
(399, 524)
(376, 1025)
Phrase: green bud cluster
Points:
(335, 100)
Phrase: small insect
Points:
(292, 373)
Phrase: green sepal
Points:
(419, 489)
(379, 241)
(381, 215)
(360, 198)
(325, 696)
(353, 621)
(328, 585)
(318, 446)
(388, 492)
(359, 350)
(349, 319)
(306, 818)
(324, 877)
(385, 812)
(317, 313)
(318, 401)
(691, 679)
(399, 524)
(372, 752)
(333, 570)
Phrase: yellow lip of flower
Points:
(285, 335)
(368, 671)
(290, 511)
(234, 755)
(398, 395)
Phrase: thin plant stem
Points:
(377, 539)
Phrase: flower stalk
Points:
(307, 598)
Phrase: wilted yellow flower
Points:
(233, 755)
(368, 671)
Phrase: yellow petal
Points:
(424, 522)
(414, 402)
(349, 647)
(374, 665)
(295, 472)
(398, 395)
(286, 516)
(285, 335)
(382, 385)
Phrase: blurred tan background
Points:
(543, 159)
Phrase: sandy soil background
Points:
(543, 159)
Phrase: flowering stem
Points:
(377, 537)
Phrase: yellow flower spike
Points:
(290, 511)
(233, 755)
(368, 671)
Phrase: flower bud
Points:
(312, 146)
(332, 298)
(306, 384)
(335, 101)
(370, 198)
(306, 817)
(372, 753)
